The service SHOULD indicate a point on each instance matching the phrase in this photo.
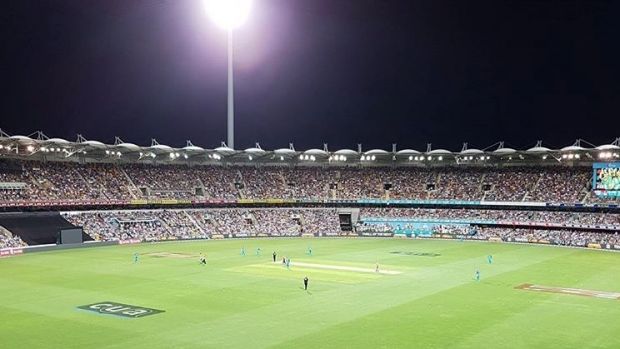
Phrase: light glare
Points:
(228, 14)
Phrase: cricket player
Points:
(243, 251)
(477, 275)
(377, 268)
(309, 251)
(274, 256)
(136, 257)
(258, 251)
(203, 259)
(288, 263)
(490, 259)
(306, 283)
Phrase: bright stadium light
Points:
(229, 14)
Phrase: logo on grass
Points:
(119, 309)
(419, 254)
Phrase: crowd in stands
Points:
(516, 216)
(54, 181)
(149, 225)
(556, 237)
(10, 241)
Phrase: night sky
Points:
(341, 72)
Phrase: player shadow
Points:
(307, 291)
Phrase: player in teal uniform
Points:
(242, 251)
(490, 259)
(309, 252)
(258, 251)
(477, 275)
(136, 257)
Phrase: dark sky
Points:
(312, 71)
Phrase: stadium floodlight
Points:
(229, 14)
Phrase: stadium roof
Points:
(39, 146)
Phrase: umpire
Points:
(306, 283)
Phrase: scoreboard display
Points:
(606, 179)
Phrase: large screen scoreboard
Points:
(606, 179)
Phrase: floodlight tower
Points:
(229, 14)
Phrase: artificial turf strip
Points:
(249, 302)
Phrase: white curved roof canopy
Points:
(161, 147)
(193, 148)
(95, 144)
(284, 151)
(573, 148)
(57, 141)
(21, 138)
(505, 151)
(129, 146)
(538, 150)
(316, 152)
(345, 152)
(376, 152)
(224, 150)
(254, 150)
(408, 152)
(472, 151)
(439, 151)
(608, 147)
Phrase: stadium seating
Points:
(151, 225)
(36, 183)
(59, 181)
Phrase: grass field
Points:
(250, 302)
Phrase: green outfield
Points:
(424, 296)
